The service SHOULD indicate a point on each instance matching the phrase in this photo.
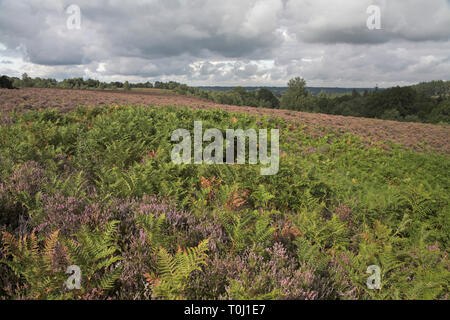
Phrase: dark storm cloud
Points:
(253, 41)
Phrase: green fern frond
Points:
(174, 271)
(95, 253)
(153, 228)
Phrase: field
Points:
(86, 179)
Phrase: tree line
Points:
(425, 102)
(73, 83)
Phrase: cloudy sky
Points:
(228, 42)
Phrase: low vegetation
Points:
(95, 187)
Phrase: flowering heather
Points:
(6, 120)
(67, 214)
(23, 184)
(138, 258)
(259, 274)
(190, 228)
(26, 178)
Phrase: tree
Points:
(17, 83)
(266, 98)
(5, 82)
(391, 114)
(26, 80)
(403, 99)
(126, 86)
(323, 102)
(441, 113)
(296, 96)
(355, 93)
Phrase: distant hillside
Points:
(279, 90)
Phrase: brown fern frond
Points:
(237, 200)
(50, 248)
(10, 243)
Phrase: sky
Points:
(228, 43)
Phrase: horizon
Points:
(230, 86)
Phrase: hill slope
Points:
(417, 136)
(99, 189)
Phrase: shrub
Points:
(6, 83)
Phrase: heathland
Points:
(86, 179)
